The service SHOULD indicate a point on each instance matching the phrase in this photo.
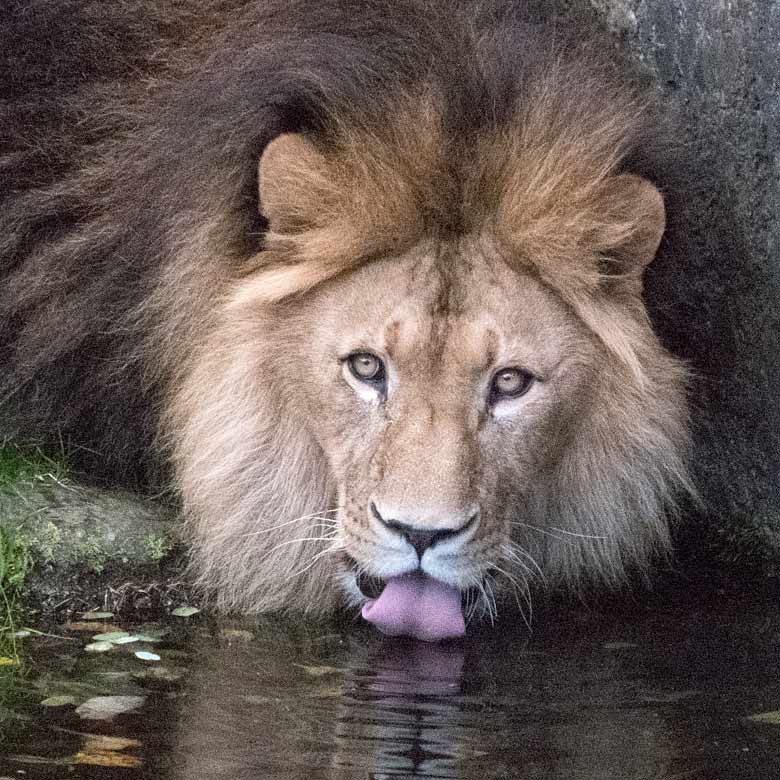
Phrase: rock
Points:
(65, 523)
(93, 548)
(714, 290)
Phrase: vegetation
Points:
(19, 463)
(14, 564)
(26, 462)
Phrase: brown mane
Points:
(142, 277)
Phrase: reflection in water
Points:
(407, 715)
(391, 709)
(407, 709)
(648, 695)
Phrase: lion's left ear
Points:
(633, 230)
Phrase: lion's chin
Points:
(418, 606)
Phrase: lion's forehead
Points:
(453, 309)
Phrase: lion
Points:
(362, 282)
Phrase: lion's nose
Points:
(421, 538)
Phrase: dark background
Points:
(714, 290)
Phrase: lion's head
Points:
(369, 272)
(437, 382)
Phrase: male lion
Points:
(364, 278)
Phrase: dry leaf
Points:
(107, 759)
(185, 611)
(772, 717)
(107, 707)
(59, 701)
(319, 671)
(87, 626)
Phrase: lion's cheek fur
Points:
(252, 480)
(607, 500)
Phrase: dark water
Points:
(650, 693)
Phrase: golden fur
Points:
(515, 241)
(203, 221)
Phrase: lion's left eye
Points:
(366, 367)
(510, 383)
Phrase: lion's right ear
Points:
(293, 184)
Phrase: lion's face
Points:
(386, 408)
(440, 387)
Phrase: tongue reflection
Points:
(418, 606)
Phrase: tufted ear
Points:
(630, 236)
(292, 180)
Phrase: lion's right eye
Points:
(510, 383)
(366, 367)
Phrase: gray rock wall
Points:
(715, 290)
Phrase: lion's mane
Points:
(130, 224)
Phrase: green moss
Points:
(90, 555)
(45, 541)
(156, 546)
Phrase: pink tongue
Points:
(418, 606)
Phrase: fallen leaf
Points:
(772, 717)
(107, 707)
(5, 661)
(114, 678)
(99, 750)
(87, 626)
(98, 647)
(125, 640)
(110, 636)
(144, 655)
(107, 759)
(97, 615)
(81, 691)
(103, 742)
(59, 701)
(185, 611)
(319, 671)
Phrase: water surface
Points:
(623, 693)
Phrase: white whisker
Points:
(480, 583)
(517, 554)
(492, 598)
(314, 516)
(559, 533)
(300, 540)
(517, 591)
(335, 547)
